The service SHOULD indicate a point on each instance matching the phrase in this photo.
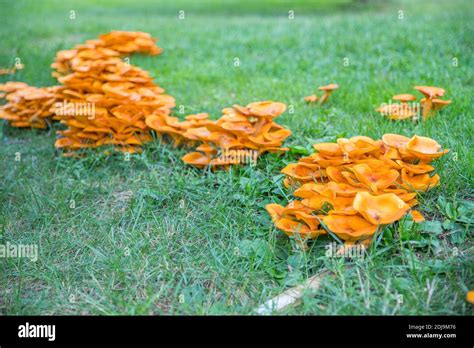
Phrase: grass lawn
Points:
(154, 236)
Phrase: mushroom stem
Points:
(324, 97)
(427, 108)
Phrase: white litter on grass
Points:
(291, 297)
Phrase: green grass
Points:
(153, 236)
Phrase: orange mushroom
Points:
(241, 133)
(311, 98)
(275, 211)
(424, 148)
(404, 98)
(373, 180)
(420, 182)
(266, 108)
(28, 106)
(430, 93)
(438, 104)
(327, 92)
(416, 216)
(197, 159)
(382, 209)
(420, 168)
(292, 227)
(123, 95)
(470, 296)
(329, 149)
(395, 140)
(358, 183)
(12, 70)
(349, 227)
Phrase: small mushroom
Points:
(311, 98)
(12, 70)
(430, 93)
(438, 104)
(404, 98)
(470, 296)
(327, 92)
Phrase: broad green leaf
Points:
(433, 226)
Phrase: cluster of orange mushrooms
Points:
(96, 76)
(407, 107)
(103, 100)
(355, 185)
(239, 136)
(27, 106)
(12, 70)
(327, 92)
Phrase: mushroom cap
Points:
(357, 147)
(420, 168)
(275, 211)
(437, 101)
(374, 180)
(292, 227)
(395, 140)
(430, 92)
(416, 216)
(329, 87)
(349, 227)
(424, 148)
(63, 142)
(197, 117)
(470, 296)
(404, 97)
(311, 98)
(206, 148)
(302, 171)
(12, 86)
(266, 108)
(440, 103)
(342, 189)
(308, 190)
(197, 159)
(236, 127)
(421, 182)
(241, 109)
(382, 209)
(329, 149)
(423, 145)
